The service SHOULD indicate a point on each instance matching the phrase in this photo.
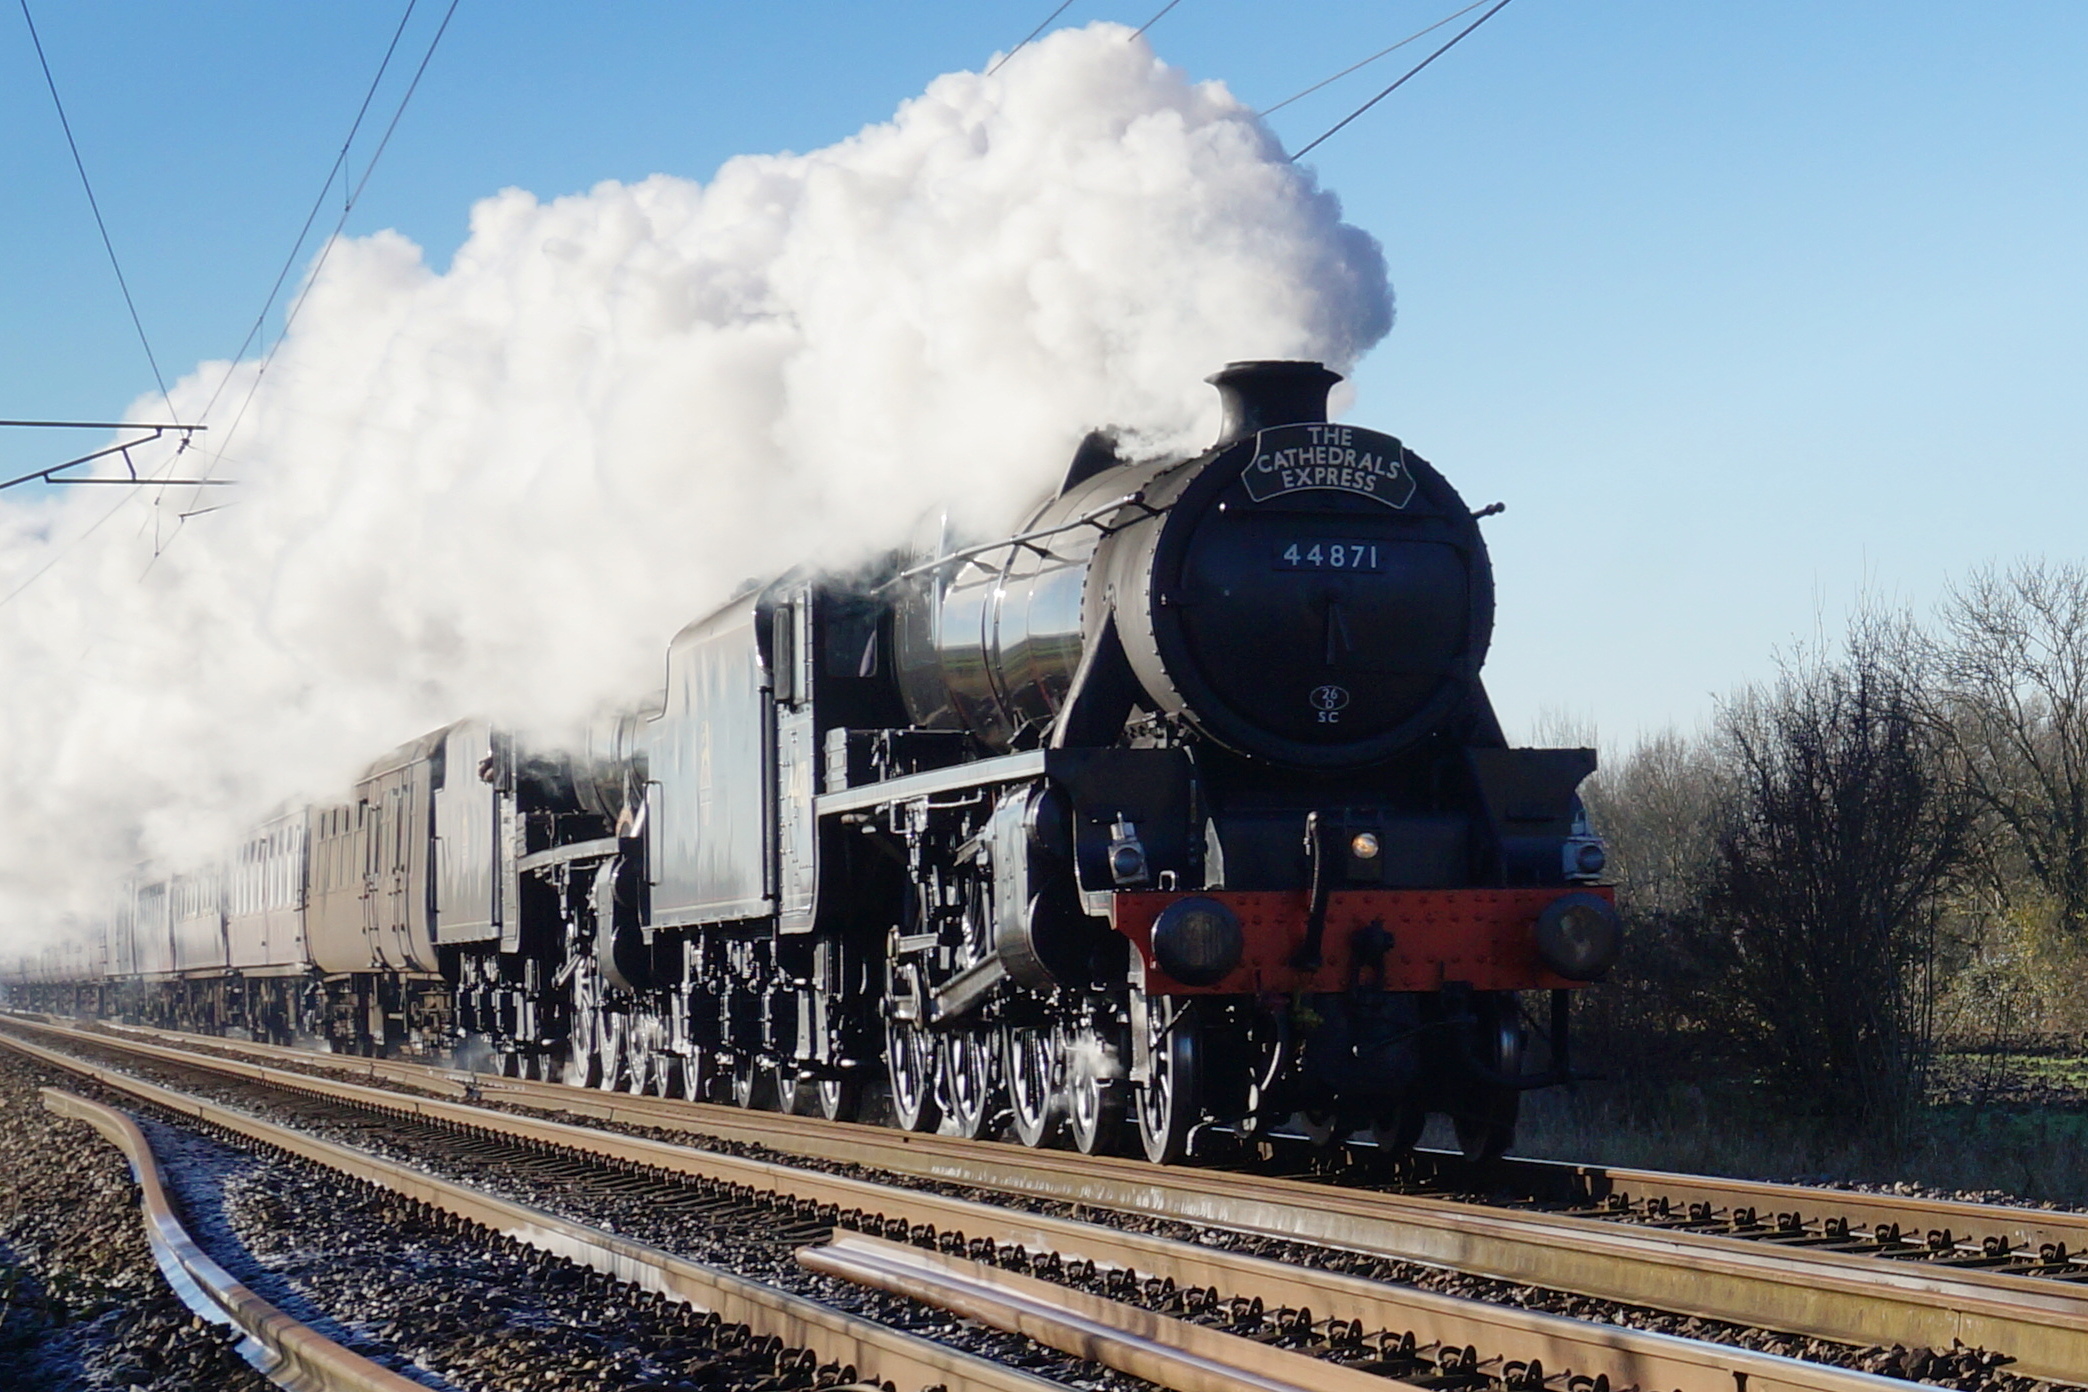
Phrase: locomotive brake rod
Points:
(1028, 540)
(1630, 1357)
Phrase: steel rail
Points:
(2024, 1230)
(1599, 1187)
(1168, 1352)
(1501, 1334)
(1177, 1354)
(1627, 1357)
(288, 1353)
(1852, 1299)
(876, 1352)
(1796, 1290)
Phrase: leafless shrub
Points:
(1843, 833)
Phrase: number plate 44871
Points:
(1330, 555)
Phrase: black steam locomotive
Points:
(1181, 811)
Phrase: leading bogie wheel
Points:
(1169, 1103)
(1484, 1114)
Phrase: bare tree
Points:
(1844, 832)
(2013, 667)
(1660, 1017)
(1659, 809)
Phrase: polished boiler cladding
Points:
(1177, 817)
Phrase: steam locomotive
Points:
(1179, 815)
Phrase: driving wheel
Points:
(1027, 1062)
(964, 1067)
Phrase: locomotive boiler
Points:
(1177, 816)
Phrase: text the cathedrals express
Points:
(1288, 458)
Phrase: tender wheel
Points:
(613, 1050)
(583, 1066)
(702, 1075)
(753, 1082)
(664, 1076)
(1321, 1129)
(639, 1059)
(1484, 1117)
(1169, 1102)
(1094, 1089)
(839, 1098)
(1398, 1131)
(787, 1087)
(646, 1048)
(1028, 1060)
(965, 1072)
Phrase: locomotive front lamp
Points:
(1364, 846)
(1198, 941)
(1578, 936)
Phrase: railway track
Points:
(2050, 1244)
(902, 1240)
(1849, 1267)
(287, 1351)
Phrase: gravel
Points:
(410, 1285)
(81, 1303)
(1957, 1367)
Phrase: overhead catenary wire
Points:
(1163, 14)
(333, 238)
(1003, 61)
(1328, 81)
(60, 555)
(108, 244)
(218, 454)
(1403, 80)
(347, 208)
(296, 246)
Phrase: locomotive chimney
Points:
(1258, 395)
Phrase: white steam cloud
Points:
(499, 489)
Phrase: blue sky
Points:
(1743, 310)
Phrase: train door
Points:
(398, 890)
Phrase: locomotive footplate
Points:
(1391, 939)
